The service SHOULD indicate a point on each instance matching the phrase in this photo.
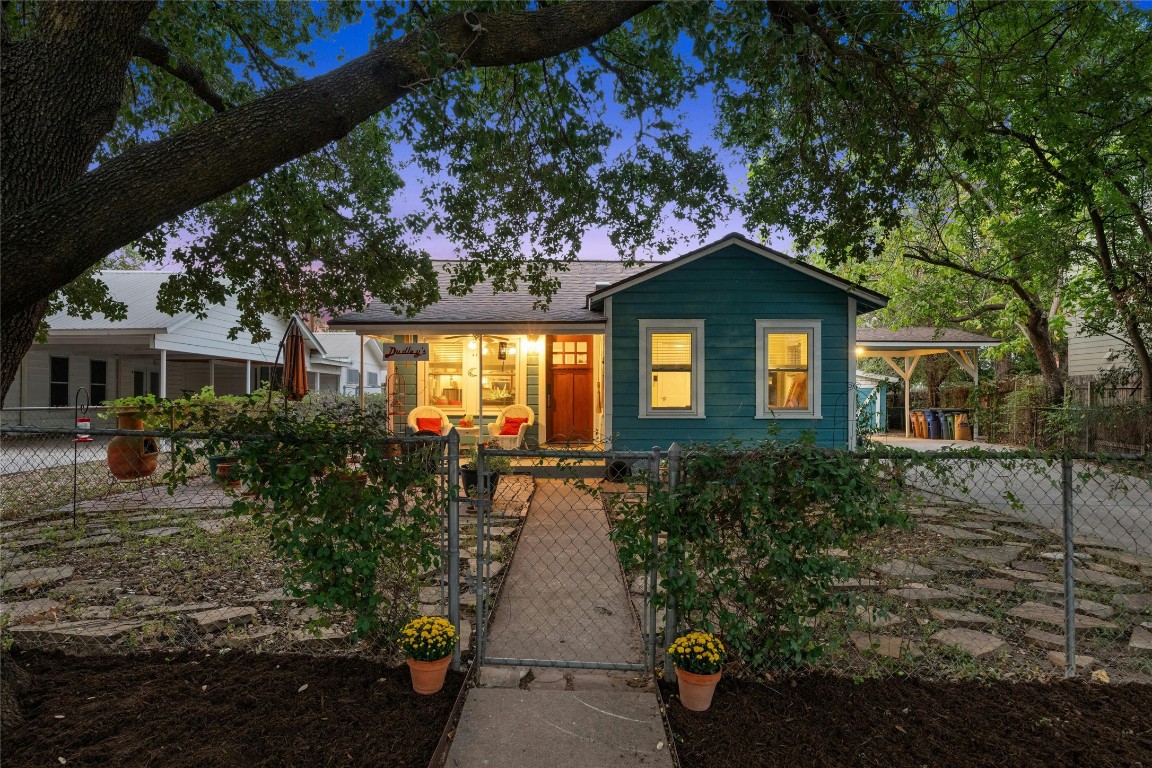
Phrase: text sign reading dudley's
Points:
(406, 353)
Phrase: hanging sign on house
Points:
(406, 353)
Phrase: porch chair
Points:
(510, 426)
(429, 418)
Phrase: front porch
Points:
(476, 375)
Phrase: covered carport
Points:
(903, 348)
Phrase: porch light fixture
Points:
(859, 351)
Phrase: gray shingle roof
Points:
(921, 334)
(483, 305)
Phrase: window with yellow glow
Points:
(672, 369)
(787, 371)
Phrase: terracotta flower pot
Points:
(696, 690)
(131, 458)
(428, 676)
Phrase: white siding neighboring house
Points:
(1089, 355)
(346, 347)
(149, 352)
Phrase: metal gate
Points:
(549, 587)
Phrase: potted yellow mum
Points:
(428, 642)
(697, 656)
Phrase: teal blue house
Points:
(733, 340)
(730, 341)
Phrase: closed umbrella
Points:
(295, 365)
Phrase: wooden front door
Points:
(570, 385)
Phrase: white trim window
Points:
(788, 369)
(671, 369)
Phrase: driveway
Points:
(1113, 506)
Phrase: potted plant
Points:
(130, 457)
(698, 657)
(494, 466)
(428, 642)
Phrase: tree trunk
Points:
(1120, 298)
(52, 234)
(1039, 335)
(62, 89)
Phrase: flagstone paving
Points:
(995, 555)
(1141, 641)
(956, 534)
(1047, 614)
(978, 645)
(962, 619)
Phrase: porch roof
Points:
(920, 339)
(486, 308)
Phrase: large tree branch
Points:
(978, 312)
(128, 196)
(157, 54)
(1012, 284)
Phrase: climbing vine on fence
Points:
(354, 512)
(752, 534)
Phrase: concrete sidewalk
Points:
(564, 600)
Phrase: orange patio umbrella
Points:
(295, 364)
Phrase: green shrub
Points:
(356, 518)
(750, 539)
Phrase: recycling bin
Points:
(934, 426)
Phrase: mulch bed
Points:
(198, 709)
(830, 721)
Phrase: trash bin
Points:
(921, 425)
(934, 427)
(964, 425)
(948, 423)
(917, 423)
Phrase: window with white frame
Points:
(672, 369)
(787, 369)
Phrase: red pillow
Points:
(428, 425)
(512, 426)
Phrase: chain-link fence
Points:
(886, 562)
(567, 602)
(118, 540)
(998, 565)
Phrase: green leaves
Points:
(751, 533)
(352, 512)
